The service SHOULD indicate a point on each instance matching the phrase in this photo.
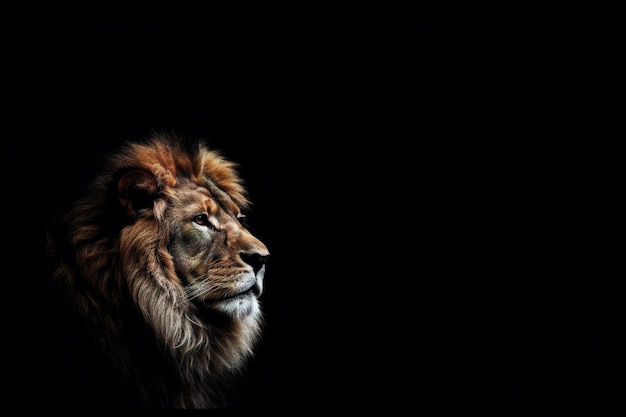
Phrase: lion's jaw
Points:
(243, 302)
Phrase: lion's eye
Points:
(243, 220)
(202, 219)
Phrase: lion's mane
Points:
(115, 288)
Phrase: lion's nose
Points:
(255, 259)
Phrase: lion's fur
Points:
(118, 280)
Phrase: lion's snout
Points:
(257, 290)
(256, 259)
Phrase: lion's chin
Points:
(244, 304)
(240, 306)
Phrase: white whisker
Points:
(199, 288)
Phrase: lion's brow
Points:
(218, 194)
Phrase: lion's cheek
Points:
(191, 242)
(190, 251)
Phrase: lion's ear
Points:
(136, 190)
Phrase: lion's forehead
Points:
(192, 197)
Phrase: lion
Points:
(158, 278)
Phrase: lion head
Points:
(160, 272)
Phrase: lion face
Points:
(221, 264)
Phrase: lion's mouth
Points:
(236, 305)
(253, 290)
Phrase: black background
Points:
(436, 192)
